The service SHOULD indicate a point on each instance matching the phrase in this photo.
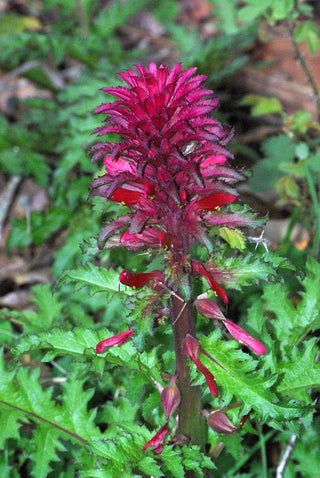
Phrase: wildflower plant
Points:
(171, 172)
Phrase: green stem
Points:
(38, 417)
(293, 220)
(246, 458)
(191, 422)
(316, 207)
(263, 454)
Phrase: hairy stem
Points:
(191, 422)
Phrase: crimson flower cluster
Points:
(171, 169)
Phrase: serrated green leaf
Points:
(45, 442)
(301, 373)
(98, 279)
(10, 424)
(173, 462)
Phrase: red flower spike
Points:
(215, 200)
(114, 341)
(191, 348)
(198, 268)
(139, 280)
(243, 337)
(208, 308)
(170, 400)
(221, 423)
(171, 152)
(157, 440)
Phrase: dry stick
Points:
(55, 78)
(286, 456)
(304, 66)
(291, 443)
(7, 200)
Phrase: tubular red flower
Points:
(215, 200)
(140, 279)
(198, 268)
(126, 196)
(114, 341)
(157, 440)
(191, 348)
(243, 337)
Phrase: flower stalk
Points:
(171, 170)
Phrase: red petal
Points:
(114, 341)
(215, 200)
(242, 336)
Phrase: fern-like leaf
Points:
(239, 375)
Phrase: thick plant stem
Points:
(191, 422)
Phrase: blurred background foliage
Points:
(262, 60)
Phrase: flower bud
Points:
(221, 423)
(208, 308)
(170, 400)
